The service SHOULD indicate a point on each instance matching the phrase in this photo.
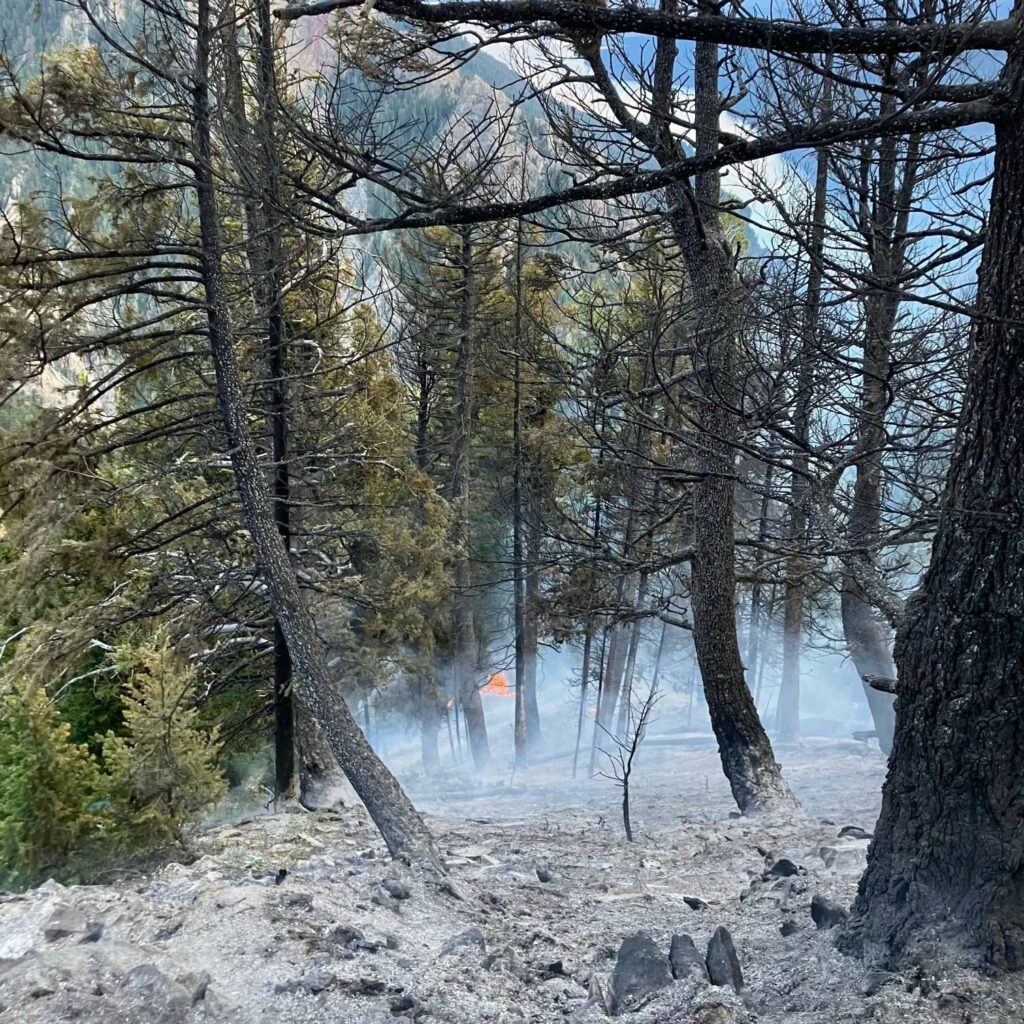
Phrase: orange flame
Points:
(497, 686)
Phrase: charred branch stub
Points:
(880, 683)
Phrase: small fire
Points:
(497, 686)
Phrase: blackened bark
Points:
(743, 745)
(430, 722)
(401, 827)
(947, 851)
(466, 653)
(518, 547)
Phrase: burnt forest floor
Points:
(300, 917)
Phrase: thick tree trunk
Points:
(401, 827)
(743, 745)
(430, 723)
(947, 851)
(466, 654)
(518, 545)
(534, 735)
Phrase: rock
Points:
(153, 987)
(685, 959)
(789, 928)
(543, 875)
(312, 982)
(875, 981)
(695, 903)
(282, 874)
(641, 968)
(405, 1005)
(364, 987)
(67, 922)
(853, 832)
(845, 856)
(469, 939)
(783, 868)
(343, 935)
(826, 914)
(396, 888)
(195, 983)
(723, 963)
(555, 969)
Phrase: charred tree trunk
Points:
(430, 723)
(534, 735)
(743, 745)
(466, 654)
(947, 848)
(401, 827)
(518, 547)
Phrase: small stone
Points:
(723, 963)
(365, 987)
(826, 914)
(543, 875)
(845, 856)
(343, 935)
(196, 984)
(155, 988)
(789, 928)
(685, 959)
(853, 832)
(67, 922)
(783, 868)
(282, 874)
(641, 968)
(396, 889)
(695, 903)
(404, 1005)
(875, 981)
(469, 939)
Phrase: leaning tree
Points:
(947, 846)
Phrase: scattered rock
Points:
(686, 960)
(312, 982)
(343, 935)
(405, 1005)
(364, 987)
(469, 939)
(845, 856)
(695, 903)
(153, 987)
(853, 832)
(195, 984)
(641, 968)
(826, 914)
(875, 981)
(67, 923)
(555, 969)
(543, 874)
(282, 874)
(783, 868)
(396, 888)
(789, 928)
(723, 963)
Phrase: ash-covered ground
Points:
(301, 917)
